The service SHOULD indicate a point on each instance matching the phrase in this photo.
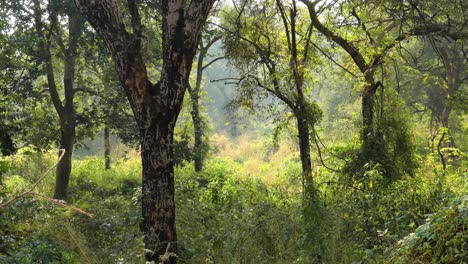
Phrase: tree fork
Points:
(155, 107)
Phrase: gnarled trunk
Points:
(155, 107)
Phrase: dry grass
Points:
(257, 157)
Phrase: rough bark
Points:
(107, 148)
(155, 107)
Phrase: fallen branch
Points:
(30, 191)
(63, 204)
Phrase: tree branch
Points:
(333, 60)
(347, 46)
(212, 61)
(48, 67)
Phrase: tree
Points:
(17, 75)
(434, 78)
(65, 109)
(272, 49)
(194, 92)
(155, 106)
(367, 31)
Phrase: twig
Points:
(167, 255)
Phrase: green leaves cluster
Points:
(441, 239)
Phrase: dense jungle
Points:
(233, 131)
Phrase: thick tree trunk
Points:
(155, 107)
(107, 148)
(157, 153)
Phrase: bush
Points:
(443, 238)
(224, 218)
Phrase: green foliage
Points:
(39, 251)
(443, 238)
(313, 113)
(89, 178)
(222, 216)
(225, 219)
(390, 151)
(313, 240)
(39, 232)
(368, 216)
(388, 201)
(234, 211)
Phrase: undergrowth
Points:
(231, 213)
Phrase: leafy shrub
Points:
(390, 148)
(373, 216)
(443, 238)
(225, 218)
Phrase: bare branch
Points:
(211, 62)
(333, 60)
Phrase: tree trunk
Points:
(158, 204)
(304, 147)
(62, 177)
(107, 149)
(445, 115)
(67, 112)
(198, 125)
(367, 114)
(195, 113)
(198, 133)
(304, 150)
